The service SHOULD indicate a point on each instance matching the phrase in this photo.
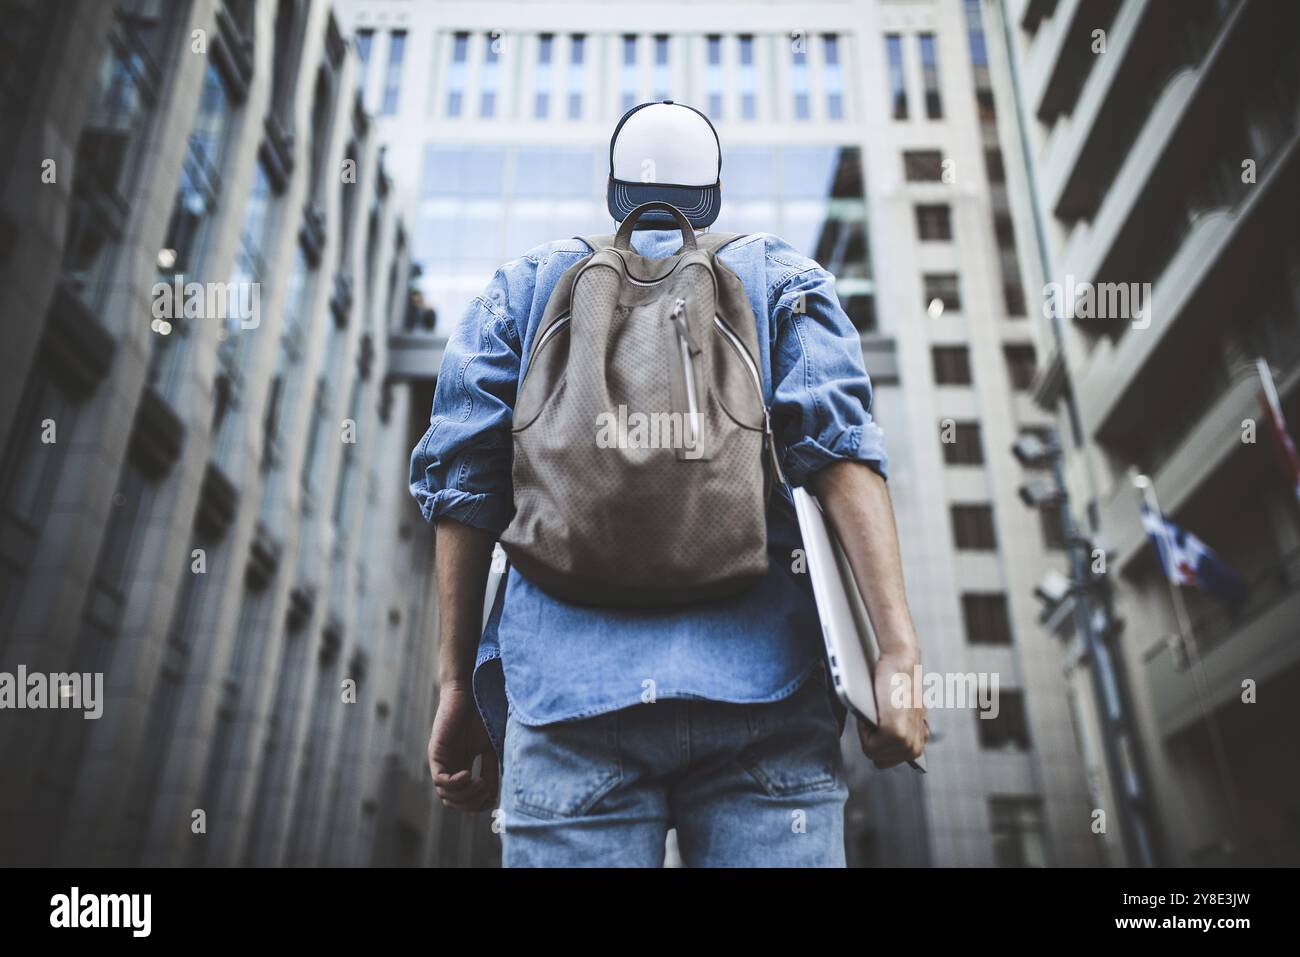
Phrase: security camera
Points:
(1031, 451)
(1039, 492)
(1053, 589)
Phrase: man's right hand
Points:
(458, 737)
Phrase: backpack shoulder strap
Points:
(597, 243)
(710, 242)
(713, 242)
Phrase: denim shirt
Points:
(547, 660)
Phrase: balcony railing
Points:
(1278, 583)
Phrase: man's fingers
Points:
(477, 797)
(462, 791)
(469, 794)
(887, 747)
(454, 787)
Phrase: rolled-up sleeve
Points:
(821, 408)
(461, 468)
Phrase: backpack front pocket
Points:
(687, 418)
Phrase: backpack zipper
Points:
(769, 442)
(550, 332)
(688, 367)
(555, 327)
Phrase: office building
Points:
(1155, 160)
(203, 487)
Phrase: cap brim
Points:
(699, 204)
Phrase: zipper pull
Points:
(769, 447)
(683, 326)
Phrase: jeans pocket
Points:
(562, 770)
(794, 743)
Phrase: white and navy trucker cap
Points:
(669, 152)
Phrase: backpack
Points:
(643, 451)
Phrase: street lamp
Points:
(1039, 493)
(1080, 589)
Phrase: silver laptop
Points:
(851, 648)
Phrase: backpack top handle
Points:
(623, 238)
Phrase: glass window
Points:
(951, 365)
(748, 173)
(897, 79)
(318, 134)
(283, 393)
(822, 172)
(105, 155)
(456, 74)
(1052, 526)
(555, 171)
(1009, 731)
(662, 73)
(393, 78)
(961, 445)
(1018, 834)
(933, 222)
(192, 213)
(542, 96)
(834, 77)
(200, 177)
(930, 73)
(799, 77)
(993, 164)
(942, 293)
(464, 171)
(628, 75)
(249, 263)
(923, 166)
(489, 79)
(713, 76)
(861, 310)
(577, 79)
(986, 618)
(978, 51)
(1020, 365)
(748, 78)
(972, 528)
(363, 41)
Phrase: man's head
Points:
(669, 152)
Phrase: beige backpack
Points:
(643, 451)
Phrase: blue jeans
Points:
(745, 785)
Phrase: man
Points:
(610, 725)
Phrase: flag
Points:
(1189, 561)
(1287, 456)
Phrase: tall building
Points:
(1157, 156)
(864, 134)
(203, 489)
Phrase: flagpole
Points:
(1187, 644)
(1279, 420)
(1270, 389)
(1182, 619)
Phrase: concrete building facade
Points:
(1155, 151)
(203, 487)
